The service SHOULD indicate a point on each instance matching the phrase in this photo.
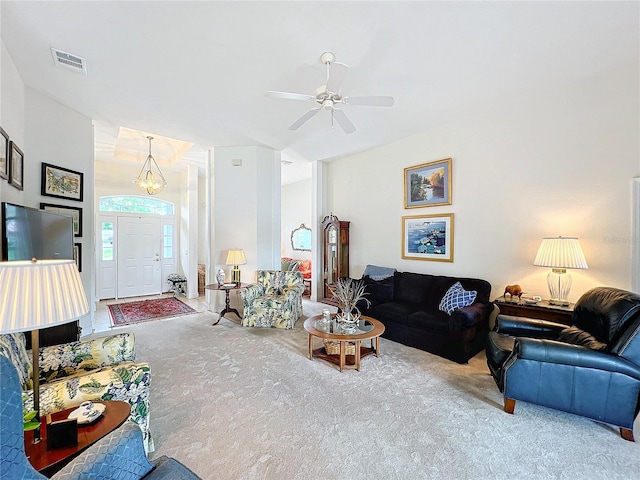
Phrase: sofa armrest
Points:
(550, 351)
(120, 454)
(250, 293)
(471, 315)
(60, 361)
(528, 327)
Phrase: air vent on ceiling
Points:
(69, 60)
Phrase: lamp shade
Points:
(40, 294)
(560, 252)
(236, 257)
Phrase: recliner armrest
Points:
(551, 351)
(528, 327)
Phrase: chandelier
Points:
(150, 178)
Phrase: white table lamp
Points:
(560, 253)
(35, 295)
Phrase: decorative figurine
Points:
(512, 290)
(220, 277)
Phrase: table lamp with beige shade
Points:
(38, 294)
(236, 257)
(560, 253)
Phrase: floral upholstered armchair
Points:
(100, 369)
(274, 301)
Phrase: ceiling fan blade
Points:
(337, 74)
(298, 123)
(371, 101)
(290, 96)
(344, 121)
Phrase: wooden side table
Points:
(227, 302)
(542, 310)
(48, 461)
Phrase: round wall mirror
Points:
(301, 238)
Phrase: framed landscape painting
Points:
(4, 154)
(61, 182)
(74, 212)
(428, 237)
(428, 185)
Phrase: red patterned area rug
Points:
(134, 312)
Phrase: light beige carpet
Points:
(244, 403)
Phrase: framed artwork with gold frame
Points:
(428, 184)
(428, 237)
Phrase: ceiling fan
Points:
(329, 97)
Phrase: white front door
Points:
(139, 250)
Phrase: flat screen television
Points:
(31, 233)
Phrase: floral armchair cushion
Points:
(274, 301)
(100, 369)
(14, 347)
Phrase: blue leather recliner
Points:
(591, 368)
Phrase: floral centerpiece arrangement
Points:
(348, 292)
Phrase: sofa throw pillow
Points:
(457, 297)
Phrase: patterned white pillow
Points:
(457, 297)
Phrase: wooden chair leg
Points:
(627, 434)
(509, 405)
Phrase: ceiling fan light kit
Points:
(329, 97)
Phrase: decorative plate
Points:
(85, 416)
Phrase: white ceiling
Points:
(198, 71)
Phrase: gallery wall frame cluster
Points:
(11, 161)
(428, 237)
(58, 182)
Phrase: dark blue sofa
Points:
(407, 304)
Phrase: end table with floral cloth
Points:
(100, 369)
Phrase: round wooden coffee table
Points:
(48, 461)
(368, 329)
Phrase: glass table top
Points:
(363, 326)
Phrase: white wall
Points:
(560, 164)
(49, 132)
(296, 209)
(11, 116)
(246, 206)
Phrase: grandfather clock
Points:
(335, 256)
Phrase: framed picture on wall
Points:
(428, 237)
(4, 154)
(61, 182)
(77, 255)
(428, 184)
(74, 212)
(16, 166)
